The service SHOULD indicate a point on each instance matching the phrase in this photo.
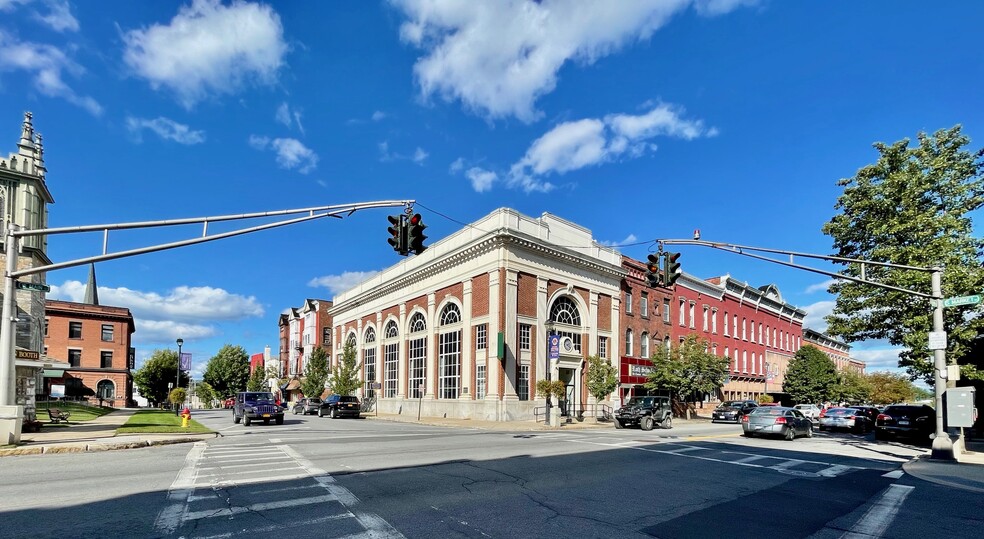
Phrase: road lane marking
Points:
(877, 519)
(894, 474)
(280, 526)
(256, 507)
(181, 489)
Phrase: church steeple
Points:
(91, 296)
(25, 147)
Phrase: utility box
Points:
(960, 411)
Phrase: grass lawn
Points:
(80, 412)
(159, 421)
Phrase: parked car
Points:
(811, 411)
(870, 412)
(732, 410)
(646, 412)
(229, 403)
(256, 406)
(849, 419)
(915, 421)
(306, 406)
(776, 421)
(340, 406)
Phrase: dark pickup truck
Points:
(256, 406)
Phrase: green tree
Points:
(344, 380)
(811, 376)
(228, 370)
(688, 371)
(911, 207)
(177, 396)
(257, 380)
(602, 377)
(851, 387)
(315, 373)
(888, 388)
(153, 377)
(205, 394)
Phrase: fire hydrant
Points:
(185, 417)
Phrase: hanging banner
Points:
(186, 361)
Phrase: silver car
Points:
(812, 411)
(776, 421)
(849, 419)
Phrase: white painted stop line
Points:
(878, 518)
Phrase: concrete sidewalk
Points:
(97, 434)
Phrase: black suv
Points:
(733, 410)
(256, 406)
(916, 421)
(339, 406)
(646, 412)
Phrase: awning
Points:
(293, 384)
(53, 373)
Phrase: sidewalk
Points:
(98, 434)
(967, 473)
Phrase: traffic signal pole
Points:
(11, 415)
(942, 444)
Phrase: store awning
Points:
(294, 384)
(53, 373)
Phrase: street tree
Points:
(315, 373)
(177, 396)
(206, 395)
(228, 370)
(153, 377)
(688, 371)
(912, 207)
(811, 375)
(888, 388)
(344, 380)
(851, 387)
(257, 380)
(602, 377)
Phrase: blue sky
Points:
(638, 120)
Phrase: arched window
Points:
(106, 390)
(564, 312)
(390, 359)
(644, 345)
(417, 356)
(449, 353)
(369, 360)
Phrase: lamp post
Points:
(177, 379)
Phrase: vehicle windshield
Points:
(348, 398)
(768, 410)
(258, 397)
(731, 404)
(804, 406)
(841, 411)
(641, 401)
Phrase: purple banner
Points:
(186, 361)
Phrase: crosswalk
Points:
(714, 453)
(262, 488)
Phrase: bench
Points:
(56, 415)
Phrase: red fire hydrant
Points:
(185, 417)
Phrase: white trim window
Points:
(644, 345)
(480, 381)
(481, 336)
(449, 353)
(417, 357)
(524, 336)
(523, 383)
(369, 361)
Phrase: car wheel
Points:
(235, 418)
(280, 420)
(790, 434)
(618, 424)
(809, 432)
(246, 421)
(295, 411)
(646, 423)
(333, 414)
(668, 422)
(321, 413)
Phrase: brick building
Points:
(838, 351)
(302, 330)
(461, 329)
(95, 340)
(646, 324)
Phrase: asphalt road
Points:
(318, 477)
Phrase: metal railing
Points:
(601, 412)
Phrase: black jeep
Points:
(256, 406)
(646, 412)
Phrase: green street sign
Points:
(20, 285)
(962, 300)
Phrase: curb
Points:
(91, 447)
(912, 468)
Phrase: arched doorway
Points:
(565, 321)
(105, 390)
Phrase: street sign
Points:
(962, 300)
(21, 285)
(937, 340)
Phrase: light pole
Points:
(177, 378)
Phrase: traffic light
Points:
(671, 268)
(398, 233)
(652, 270)
(415, 234)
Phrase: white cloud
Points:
(419, 156)
(378, 116)
(820, 287)
(591, 141)
(879, 359)
(340, 283)
(291, 153)
(288, 118)
(59, 17)
(631, 238)
(481, 179)
(498, 58)
(46, 63)
(186, 312)
(815, 314)
(457, 166)
(167, 129)
(711, 8)
(208, 48)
